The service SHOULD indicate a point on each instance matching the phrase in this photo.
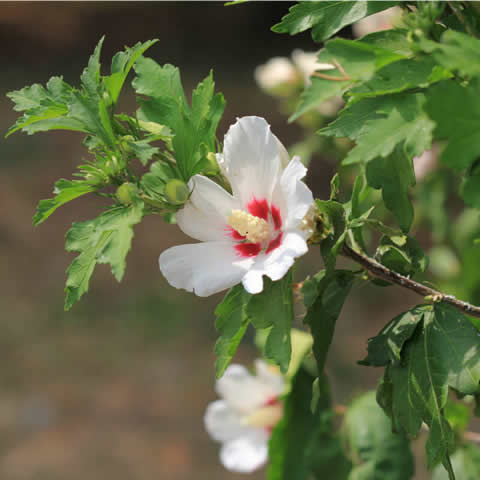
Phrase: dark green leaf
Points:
(332, 216)
(456, 52)
(403, 254)
(377, 452)
(443, 352)
(65, 190)
(326, 18)
(231, 324)
(386, 347)
(154, 182)
(470, 188)
(418, 72)
(273, 308)
(303, 443)
(456, 111)
(331, 291)
(143, 150)
(106, 239)
(401, 122)
(394, 175)
(465, 462)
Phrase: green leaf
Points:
(386, 347)
(143, 150)
(91, 75)
(394, 175)
(359, 60)
(194, 128)
(401, 122)
(402, 254)
(122, 63)
(456, 52)
(377, 452)
(326, 18)
(456, 112)
(443, 352)
(65, 191)
(231, 324)
(465, 462)
(303, 442)
(332, 216)
(106, 239)
(418, 72)
(332, 288)
(273, 309)
(43, 107)
(457, 415)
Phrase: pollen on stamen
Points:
(255, 229)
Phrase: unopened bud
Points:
(176, 192)
(126, 193)
(212, 168)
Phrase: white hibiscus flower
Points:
(256, 230)
(243, 420)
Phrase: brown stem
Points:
(461, 18)
(380, 271)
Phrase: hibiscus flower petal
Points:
(253, 158)
(270, 375)
(204, 268)
(204, 216)
(276, 263)
(245, 454)
(223, 423)
(291, 194)
(243, 391)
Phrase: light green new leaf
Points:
(457, 52)
(91, 75)
(456, 112)
(326, 18)
(273, 309)
(193, 128)
(331, 289)
(401, 121)
(45, 108)
(65, 190)
(231, 324)
(465, 463)
(303, 443)
(394, 175)
(359, 60)
(122, 63)
(376, 452)
(106, 239)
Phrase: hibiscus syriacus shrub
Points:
(399, 108)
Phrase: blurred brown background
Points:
(117, 387)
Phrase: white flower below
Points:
(281, 71)
(242, 421)
(256, 230)
(277, 71)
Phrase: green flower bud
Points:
(176, 192)
(126, 193)
(212, 168)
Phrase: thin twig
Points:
(329, 77)
(380, 271)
